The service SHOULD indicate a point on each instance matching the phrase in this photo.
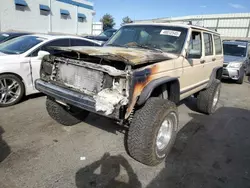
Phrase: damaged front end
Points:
(88, 83)
(102, 80)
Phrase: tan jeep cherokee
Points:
(137, 79)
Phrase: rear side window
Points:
(56, 43)
(49, 46)
(78, 42)
(208, 44)
(218, 45)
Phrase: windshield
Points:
(235, 50)
(165, 38)
(20, 45)
(3, 37)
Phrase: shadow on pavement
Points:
(228, 81)
(191, 103)
(210, 151)
(104, 123)
(4, 148)
(108, 172)
(33, 96)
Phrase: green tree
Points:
(107, 21)
(126, 20)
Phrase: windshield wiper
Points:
(147, 47)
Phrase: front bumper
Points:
(70, 97)
(231, 73)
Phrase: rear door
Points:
(209, 55)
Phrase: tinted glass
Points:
(166, 38)
(208, 44)
(3, 37)
(56, 43)
(48, 47)
(218, 46)
(20, 45)
(235, 50)
(78, 42)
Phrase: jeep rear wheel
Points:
(152, 131)
(64, 116)
(208, 99)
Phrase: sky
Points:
(148, 9)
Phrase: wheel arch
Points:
(153, 88)
(216, 74)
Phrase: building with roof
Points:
(228, 25)
(47, 16)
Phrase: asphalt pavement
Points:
(210, 151)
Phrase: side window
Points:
(218, 45)
(109, 33)
(78, 42)
(195, 45)
(58, 42)
(208, 44)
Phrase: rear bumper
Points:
(70, 97)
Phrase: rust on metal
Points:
(138, 87)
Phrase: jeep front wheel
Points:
(64, 116)
(152, 131)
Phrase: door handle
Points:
(203, 61)
(214, 59)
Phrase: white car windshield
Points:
(163, 38)
(20, 45)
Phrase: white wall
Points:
(30, 19)
(97, 28)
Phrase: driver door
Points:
(193, 65)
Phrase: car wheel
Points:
(152, 131)
(64, 116)
(11, 90)
(208, 99)
(241, 79)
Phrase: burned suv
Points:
(137, 79)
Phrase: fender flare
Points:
(149, 88)
(214, 75)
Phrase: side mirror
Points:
(42, 53)
(194, 53)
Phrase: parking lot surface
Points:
(210, 151)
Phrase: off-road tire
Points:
(64, 116)
(144, 128)
(22, 88)
(241, 79)
(206, 97)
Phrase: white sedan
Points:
(20, 61)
